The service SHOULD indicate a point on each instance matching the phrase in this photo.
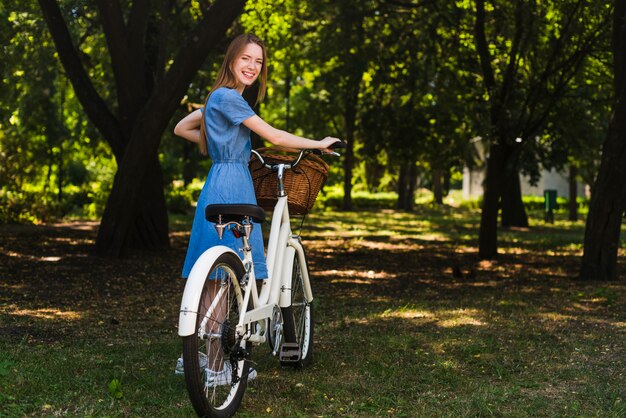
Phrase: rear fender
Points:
(195, 282)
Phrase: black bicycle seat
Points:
(234, 213)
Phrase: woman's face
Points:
(248, 65)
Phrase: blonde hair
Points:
(226, 77)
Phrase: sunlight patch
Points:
(459, 321)
(553, 316)
(14, 287)
(353, 276)
(52, 258)
(389, 246)
(406, 313)
(485, 283)
(46, 313)
(606, 322)
(182, 234)
(32, 257)
(449, 364)
(461, 317)
(515, 250)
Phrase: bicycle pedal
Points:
(290, 352)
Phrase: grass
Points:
(408, 323)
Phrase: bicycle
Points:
(223, 314)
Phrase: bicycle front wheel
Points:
(298, 318)
(214, 358)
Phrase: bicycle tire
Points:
(218, 334)
(298, 322)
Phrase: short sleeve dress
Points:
(229, 179)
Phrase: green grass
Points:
(397, 334)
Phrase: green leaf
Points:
(115, 389)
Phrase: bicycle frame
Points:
(283, 246)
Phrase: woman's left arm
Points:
(283, 138)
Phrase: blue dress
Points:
(229, 179)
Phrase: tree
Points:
(150, 81)
(525, 73)
(348, 33)
(608, 198)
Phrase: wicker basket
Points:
(302, 183)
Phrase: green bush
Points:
(181, 199)
(532, 203)
(30, 206)
(537, 203)
(332, 197)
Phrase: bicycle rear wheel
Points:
(298, 318)
(214, 359)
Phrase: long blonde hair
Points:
(226, 77)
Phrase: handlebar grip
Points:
(338, 144)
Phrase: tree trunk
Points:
(573, 194)
(606, 209)
(437, 186)
(402, 189)
(446, 182)
(608, 199)
(410, 190)
(149, 229)
(493, 184)
(513, 211)
(406, 186)
(354, 65)
(135, 215)
(348, 156)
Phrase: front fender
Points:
(195, 282)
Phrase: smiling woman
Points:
(222, 129)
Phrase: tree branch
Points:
(126, 63)
(511, 68)
(136, 29)
(485, 62)
(94, 105)
(619, 43)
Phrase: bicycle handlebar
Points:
(303, 153)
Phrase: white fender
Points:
(193, 287)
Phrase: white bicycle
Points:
(223, 314)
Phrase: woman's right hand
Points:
(327, 142)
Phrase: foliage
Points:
(181, 198)
(422, 115)
(52, 162)
(402, 80)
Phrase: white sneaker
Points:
(179, 370)
(225, 376)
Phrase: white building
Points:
(473, 184)
(549, 179)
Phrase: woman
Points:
(223, 128)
